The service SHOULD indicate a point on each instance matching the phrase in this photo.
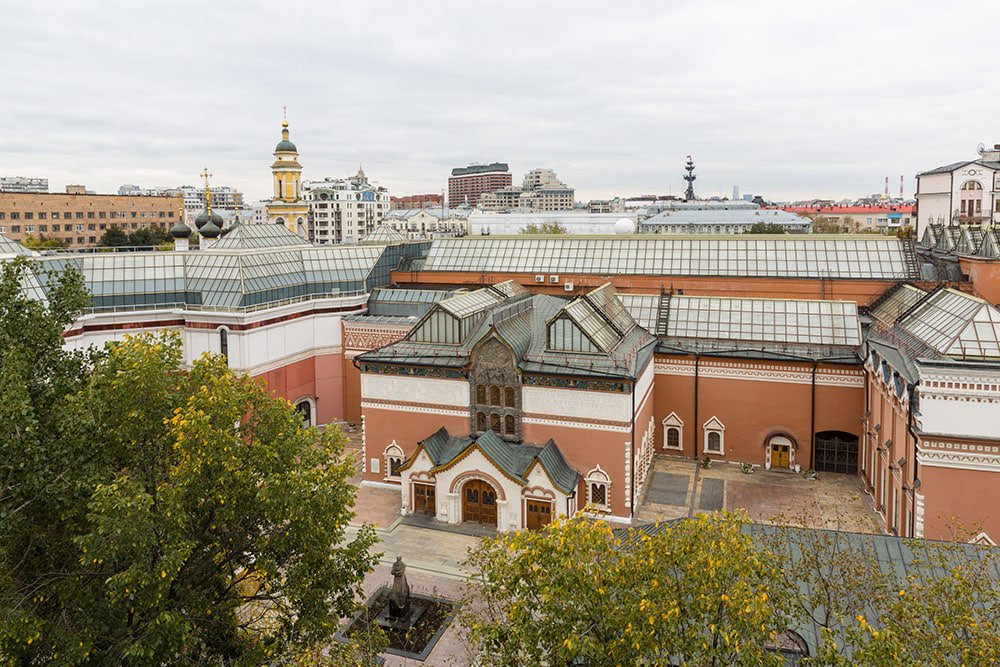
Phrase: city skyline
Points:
(412, 93)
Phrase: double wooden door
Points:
(780, 455)
(479, 503)
(423, 499)
(539, 513)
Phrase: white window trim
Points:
(312, 407)
(669, 422)
(713, 425)
(393, 451)
(598, 476)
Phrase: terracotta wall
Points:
(319, 378)
(586, 447)
(984, 275)
(752, 410)
(860, 291)
(951, 493)
(352, 392)
(383, 426)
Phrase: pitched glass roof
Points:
(9, 247)
(888, 309)
(644, 309)
(248, 237)
(956, 324)
(383, 235)
(869, 257)
(764, 320)
(599, 315)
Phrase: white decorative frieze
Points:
(433, 391)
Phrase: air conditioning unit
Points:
(553, 279)
(568, 287)
(539, 279)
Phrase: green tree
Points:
(697, 592)
(547, 227)
(149, 236)
(150, 514)
(114, 237)
(40, 242)
(949, 619)
(765, 228)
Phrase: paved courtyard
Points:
(675, 488)
(678, 488)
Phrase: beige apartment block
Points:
(79, 220)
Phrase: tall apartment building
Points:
(80, 220)
(540, 191)
(344, 210)
(24, 184)
(467, 184)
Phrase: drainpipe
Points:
(916, 463)
(812, 419)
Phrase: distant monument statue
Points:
(690, 178)
(399, 594)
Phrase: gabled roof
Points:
(990, 246)
(947, 239)
(599, 316)
(970, 238)
(930, 237)
(514, 460)
(12, 248)
(895, 302)
(946, 169)
(252, 237)
(955, 324)
(383, 235)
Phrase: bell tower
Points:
(287, 206)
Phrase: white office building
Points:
(344, 210)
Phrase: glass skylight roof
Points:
(249, 237)
(956, 324)
(888, 310)
(765, 320)
(644, 309)
(876, 257)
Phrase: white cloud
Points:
(786, 99)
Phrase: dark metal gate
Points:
(836, 452)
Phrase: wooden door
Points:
(539, 514)
(423, 499)
(779, 455)
(479, 503)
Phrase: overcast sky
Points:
(785, 99)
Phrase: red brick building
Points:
(467, 184)
(415, 201)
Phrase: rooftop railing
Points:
(180, 305)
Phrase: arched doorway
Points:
(836, 451)
(479, 502)
(780, 452)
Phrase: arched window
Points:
(304, 408)
(224, 343)
(673, 438)
(393, 460)
(494, 395)
(495, 422)
(508, 425)
(508, 397)
(481, 394)
(480, 421)
(673, 432)
(971, 197)
(598, 490)
(715, 436)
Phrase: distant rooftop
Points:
(480, 169)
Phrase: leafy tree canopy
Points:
(152, 515)
(116, 237)
(547, 227)
(765, 228)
